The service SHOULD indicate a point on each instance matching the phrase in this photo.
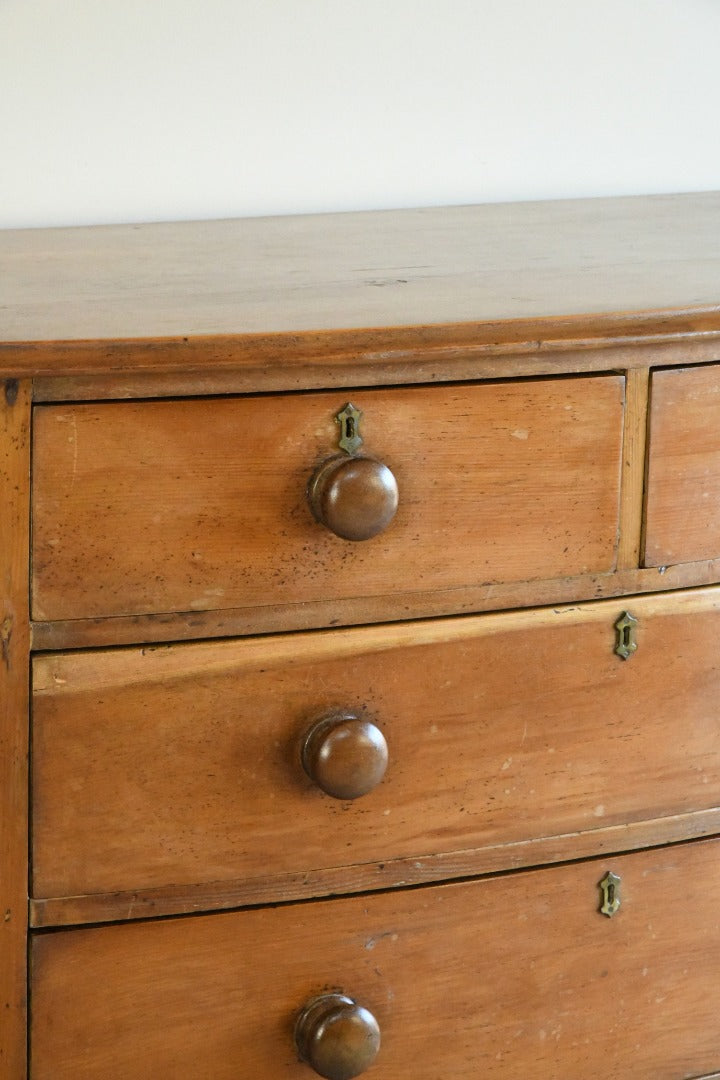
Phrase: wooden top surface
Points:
(588, 267)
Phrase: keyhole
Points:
(610, 888)
(349, 420)
(626, 642)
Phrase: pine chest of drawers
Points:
(360, 666)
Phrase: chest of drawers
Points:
(360, 676)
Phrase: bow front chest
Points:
(360, 646)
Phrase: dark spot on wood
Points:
(11, 391)
(5, 634)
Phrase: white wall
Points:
(135, 110)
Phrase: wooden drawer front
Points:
(181, 764)
(199, 504)
(505, 977)
(683, 494)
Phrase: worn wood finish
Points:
(403, 362)
(389, 874)
(182, 764)
(201, 504)
(683, 499)
(170, 780)
(320, 283)
(191, 625)
(506, 977)
(633, 464)
(14, 658)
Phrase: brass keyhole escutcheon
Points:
(349, 420)
(610, 889)
(626, 628)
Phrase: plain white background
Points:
(144, 110)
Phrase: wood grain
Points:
(507, 977)
(122, 906)
(398, 360)
(683, 496)
(201, 504)
(14, 661)
(191, 625)
(633, 465)
(167, 780)
(519, 272)
(158, 767)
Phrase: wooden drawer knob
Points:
(355, 497)
(337, 1037)
(346, 756)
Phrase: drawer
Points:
(154, 767)
(505, 977)
(683, 485)
(184, 506)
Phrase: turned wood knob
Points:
(345, 755)
(355, 497)
(337, 1037)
